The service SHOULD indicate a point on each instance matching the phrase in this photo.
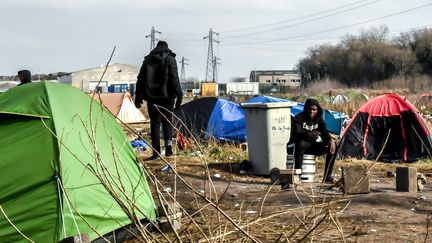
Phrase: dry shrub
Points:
(404, 85)
(324, 86)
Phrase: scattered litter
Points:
(201, 191)
(197, 153)
(236, 205)
(421, 181)
(391, 174)
(413, 209)
(373, 230)
(138, 130)
(230, 158)
(423, 198)
(167, 189)
(166, 168)
(250, 212)
(287, 205)
(377, 180)
(217, 175)
(139, 145)
(245, 167)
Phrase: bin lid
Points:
(268, 105)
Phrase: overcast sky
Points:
(47, 36)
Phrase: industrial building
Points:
(283, 77)
(118, 78)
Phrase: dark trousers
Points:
(160, 112)
(305, 147)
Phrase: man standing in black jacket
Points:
(308, 133)
(158, 84)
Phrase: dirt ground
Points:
(383, 215)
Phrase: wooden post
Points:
(355, 179)
(406, 179)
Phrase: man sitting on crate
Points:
(309, 136)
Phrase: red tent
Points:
(389, 123)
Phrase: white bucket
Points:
(308, 167)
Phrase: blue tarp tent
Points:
(334, 120)
(227, 122)
(211, 117)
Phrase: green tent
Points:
(63, 157)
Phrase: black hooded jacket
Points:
(158, 79)
(302, 125)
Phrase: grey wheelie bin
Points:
(268, 128)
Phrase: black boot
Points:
(168, 148)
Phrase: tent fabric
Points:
(227, 122)
(388, 105)
(53, 184)
(211, 117)
(298, 108)
(334, 120)
(340, 99)
(388, 123)
(192, 117)
(111, 101)
(361, 96)
(121, 106)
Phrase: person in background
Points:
(24, 77)
(158, 84)
(309, 135)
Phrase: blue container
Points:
(132, 89)
(111, 89)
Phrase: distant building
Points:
(118, 78)
(282, 77)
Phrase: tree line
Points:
(370, 57)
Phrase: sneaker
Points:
(329, 179)
(166, 168)
(168, 150)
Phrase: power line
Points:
(326, 41)
(344, 26)
(294, 19)
(264, 49)
(303, 22)
(300, 42)
(153, 38)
